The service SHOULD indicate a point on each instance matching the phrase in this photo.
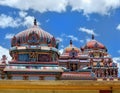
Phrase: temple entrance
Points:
(73, 66)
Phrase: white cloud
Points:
(88, 39)
(4, 51)
(22, 20)
(118, 27)
(88, 31)
(103, 7)
(72, 37)
(117, 60)
(81, 41)
(37, 5)
(22, 14)
(61, 51)
(62, 46)
(8, 21)
(60, 39)
(63, 34)
(47, 20)
(118, 51)
(9, 36)
(28, 21)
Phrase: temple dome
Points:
(70, 48)
(92, 44)
(33, 36)
(35, 29)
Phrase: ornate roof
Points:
(35, 29)
(33, 36)
(70, 48)
(94, 44)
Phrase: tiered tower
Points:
(100, 61)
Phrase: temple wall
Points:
(67, 86)
(47, 91)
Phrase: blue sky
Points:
(65, 19)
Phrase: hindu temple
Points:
(35, 56)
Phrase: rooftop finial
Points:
(70, 42)
(35, 23)
(93, 37)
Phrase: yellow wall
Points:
(57, 86)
